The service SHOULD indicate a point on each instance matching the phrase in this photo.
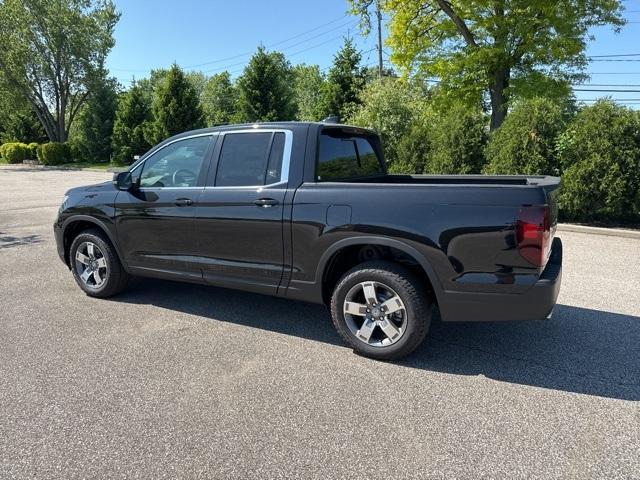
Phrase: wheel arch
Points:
(72, 226)
(328, 257)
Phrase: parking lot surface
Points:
(173, 380)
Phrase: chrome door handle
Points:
(184, 202)
(265, 202)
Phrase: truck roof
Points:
(258, 125)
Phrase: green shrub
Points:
(54, 153)
(458, 141)
(391, 107)
(600, 155)
(32, 153)
(413, 150)
(525, 143)
(14, 152)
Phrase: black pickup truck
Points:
(307, 211)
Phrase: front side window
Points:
(250, 159)
(343, 156)
(176, 165)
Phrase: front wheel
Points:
(95, 265)
(381, 309)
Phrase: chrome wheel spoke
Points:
(389, 329)
(91, 265)
(392, 305)
(366, 330)
(83, 259)
(374, 313)
(353, 308)
(85, 275)
(369, 290)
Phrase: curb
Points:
(60, 168)
(610, 232)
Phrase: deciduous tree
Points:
(52, 52)
(497, 48)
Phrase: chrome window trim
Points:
(286, 156)
(209, 134)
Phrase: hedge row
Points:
(52, 153)
(595, 149)
(18, 152)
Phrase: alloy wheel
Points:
(91, 265)
(375, 314)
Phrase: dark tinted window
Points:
(344, 156)
(248, 159)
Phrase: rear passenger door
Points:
(239, 215)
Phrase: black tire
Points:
(416, 316)
(113, 276)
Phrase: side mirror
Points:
(123, 181)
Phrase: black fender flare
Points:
(98, 223)
(384, 241)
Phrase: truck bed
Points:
(496, 180)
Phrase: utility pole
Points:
(379, 19)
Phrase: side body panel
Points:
(463, 236)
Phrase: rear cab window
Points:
(346, 154)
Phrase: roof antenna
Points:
(332, 119)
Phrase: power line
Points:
(607, 84)
(616, 55)
(613, 73)
(349, 23)
(614, 59)
(603, 90)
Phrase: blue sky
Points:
(212, 36)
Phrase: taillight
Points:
(533, 234)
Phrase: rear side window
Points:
(248, 159)
(342, 156)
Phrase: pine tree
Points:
(132, 117)
(265, 90)
(95, 125)
(175, 108)
(345, 81)
(308, 86)
(219, 99)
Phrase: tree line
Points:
(481, 87)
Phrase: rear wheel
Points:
(381, 309)
(96, 266)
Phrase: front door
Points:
(239, 215)
(155, 219)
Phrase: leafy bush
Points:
(413, 150)
(54, 153)
(397, 110)
(14, 152)
(32, 153)
(458, 141)
(525, 143)
(600, 155)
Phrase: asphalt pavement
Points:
(172, 380)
